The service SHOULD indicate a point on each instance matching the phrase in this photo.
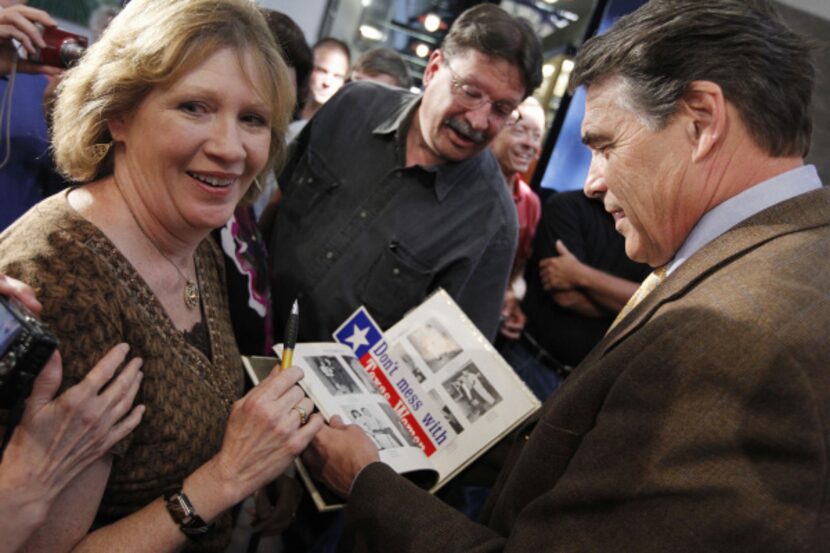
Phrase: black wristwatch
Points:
(183, 513)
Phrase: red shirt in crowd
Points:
(529, 210)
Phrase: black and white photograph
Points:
(375, 426)
(434, 344)
(472, 392)
(360, 373)
(390, 413)
(331, 372)
(445, 410)
(401, 355)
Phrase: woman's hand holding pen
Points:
(268, 427)
(265, 433)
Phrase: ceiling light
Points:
(567, 66)
(422, 50)
(561, 85)
(366, 3)
(570, 16)
(548, 70)
(371, 33)
(432, 22)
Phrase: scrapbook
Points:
(431, 391)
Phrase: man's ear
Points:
(704, 105)
(433, 65)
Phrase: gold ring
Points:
(302, 412)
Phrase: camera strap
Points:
(6, 110)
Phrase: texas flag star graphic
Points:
(358, 338)
(359, 332)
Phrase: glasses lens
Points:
(472, 98)
(469, 96)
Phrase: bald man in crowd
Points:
(332, 58)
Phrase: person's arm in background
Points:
(18, 23)
(563, 271)
(567, 273)
(561, 220)
(59, 437)
(513, 319)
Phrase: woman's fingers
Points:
(278, 382)
(125, 385)
(118, 398)
(267, 429)
(122, 428)
(22, 19)
(302, 410)
(310, 429)
(103, 371)
(91, 416)
(16, 25)
(24, 293)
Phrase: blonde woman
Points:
(167, 120)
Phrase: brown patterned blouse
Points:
(93, 299)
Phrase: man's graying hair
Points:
(763, 67)
(490, 30)
(384, 61)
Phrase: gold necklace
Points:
(191, 287)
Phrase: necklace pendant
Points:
(191, 294)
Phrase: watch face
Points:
(183, 513)
(185, 505)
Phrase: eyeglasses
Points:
(471, 97)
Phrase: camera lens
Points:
(71, 52)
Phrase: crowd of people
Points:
(210, 168)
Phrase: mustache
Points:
(464, 129)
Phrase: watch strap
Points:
(183, 514)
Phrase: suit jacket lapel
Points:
(800, 213)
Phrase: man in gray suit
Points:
(701, 422)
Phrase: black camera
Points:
(25, 346)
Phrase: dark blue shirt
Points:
(28, 175)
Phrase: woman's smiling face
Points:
(197, 145)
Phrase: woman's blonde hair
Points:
(153, 43)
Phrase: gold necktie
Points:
(647, 287)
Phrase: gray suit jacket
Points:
(700, 423)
